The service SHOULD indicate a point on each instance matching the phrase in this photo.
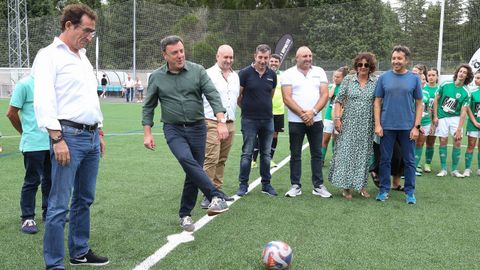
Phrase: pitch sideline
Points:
(175, 240)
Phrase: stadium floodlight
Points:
(18, 53)
(134, 39)
(440, 38)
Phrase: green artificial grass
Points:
(138, 196)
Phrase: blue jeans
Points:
(251, 128)
(314, 134)
(387, 143)
(129, 94)
(188, 146)
(75, 181)
(37, 170)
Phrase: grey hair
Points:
(263, 48)
(169, 40)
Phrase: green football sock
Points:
(324, 151)
(468, 160)
(333, 146)
(429, 154)
(455, 158)
(418, 155)
(478, 160)
(443, 157)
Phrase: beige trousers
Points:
(216, 152)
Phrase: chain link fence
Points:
(335, 33)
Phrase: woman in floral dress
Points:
(353, 147)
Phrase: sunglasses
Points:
(87, 31)
(366, 65)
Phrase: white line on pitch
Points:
(175, 240)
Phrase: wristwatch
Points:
(417, 126)
(315, 112)
(57, 139)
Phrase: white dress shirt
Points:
(65, 87)
(305, 89)
(129, 83)
(229, 89)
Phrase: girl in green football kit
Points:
(328, 125)
(421, 70)
(473, 126)
(431, 87)
(450, 108)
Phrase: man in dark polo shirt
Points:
(179, 85)
(257, 86)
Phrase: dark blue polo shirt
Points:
(257, 92)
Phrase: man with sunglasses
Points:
(67, 107)
(398, 112)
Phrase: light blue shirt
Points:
(399, 92)
(33, 139)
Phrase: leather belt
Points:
(213, 120)
(69, 123)
(191, 124)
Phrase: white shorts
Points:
(474, 134)
(328, 126)
(426, 130)
(447, 125)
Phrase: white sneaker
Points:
(186, 223)
(467, 172)
(457, 174)
(217, 206)
(442, 173)
(322, 192)
(294, 191)
(478, 172)
(427, 168)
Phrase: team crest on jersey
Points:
(458, 95)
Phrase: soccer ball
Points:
(277, 255)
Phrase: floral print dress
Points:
(354, 145)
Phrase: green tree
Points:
(453, 33)
(41, 8)
(412, 17)
(432, 26)
(339, 32)
(472, 26)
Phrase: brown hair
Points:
(401, 48)
(436, 72)
(469, 77)
(423, 68)
(371, 60)
(74, 14)
(344, 70)
(169, 40)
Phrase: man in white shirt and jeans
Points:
(67, 106)
(228, 86)
(305, 93)
(129, 88)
